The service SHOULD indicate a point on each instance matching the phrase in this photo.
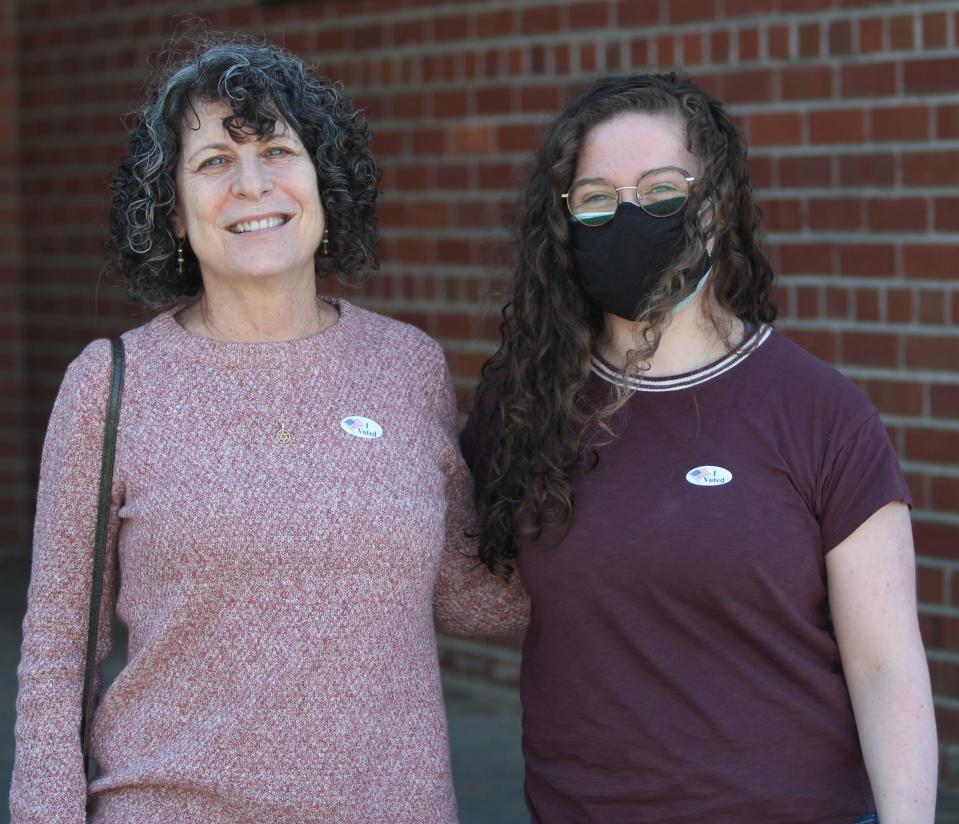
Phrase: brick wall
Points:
(851, 108)
(14, 451)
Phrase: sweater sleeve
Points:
(48, 783)
(469, 599)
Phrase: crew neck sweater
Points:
(278, 596)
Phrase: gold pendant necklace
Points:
(282, 436)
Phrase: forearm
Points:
(470, 600)
(897, 731)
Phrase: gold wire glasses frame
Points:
(660, 193)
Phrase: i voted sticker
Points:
(361, 427)
(709, 476)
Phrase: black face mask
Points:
(620, 264)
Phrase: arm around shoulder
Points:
(469, 599)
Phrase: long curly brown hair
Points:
(532, 389)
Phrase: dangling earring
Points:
(179, 256)
(325, 246)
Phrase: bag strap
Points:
(100, 543)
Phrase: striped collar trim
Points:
(714, 370)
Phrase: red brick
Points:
(840, 37)
(496, 176)
(902, 32)
(589, 15)
(834, 213)
(944, 400)
(777, 42)
(921, 76)
(685, 11)
(719, 45)
(897, 214)
(775, 128)
(837, 302)
(494, 100)
(945, 498)
(541, 98)
(587, 56)
(638, 13)
(454, 27)
(748, 41)
(867, 305)
(665, 51)
(541, 20)
(932, 307)
(518, 138)
(900, 123)
(408, 31)
(930, 168)
(939, 261)
(935, 30)
(365, 38)
(837, 126)
(946, 211)
(811, 170)
(899, 305)
(822, 344)
(931, 352)
(450, 104)
(781, 215)
(747, 86)
(692, 49)
(947, 122)
(495, 23)
(867, 169)
(934, 445)
(808, 301)
(868, 80)
(805, 259)
(870, 35)
(870, 349)
(638, 54)
(804, 5)
(806, 82)
(868, 260)
(930, 588)
(809, 40)
(735, 8)
(428, 141)
(894, 397)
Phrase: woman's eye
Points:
(277, 151)
(598, 197)
(213, 162)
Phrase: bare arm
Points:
(871, 580)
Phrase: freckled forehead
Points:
(624, 147)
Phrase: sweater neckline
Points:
(671, 383)
(287, 354)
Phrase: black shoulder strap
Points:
(100, 542)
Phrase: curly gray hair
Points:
(263, 85)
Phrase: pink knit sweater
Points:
(279, 597)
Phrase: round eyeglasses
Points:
(660, 193)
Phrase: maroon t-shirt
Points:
(680, 664)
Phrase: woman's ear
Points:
(178, 228)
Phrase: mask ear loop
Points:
(707, 204)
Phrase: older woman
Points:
(287, 485)
(711, 523)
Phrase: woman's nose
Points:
(251, 180)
